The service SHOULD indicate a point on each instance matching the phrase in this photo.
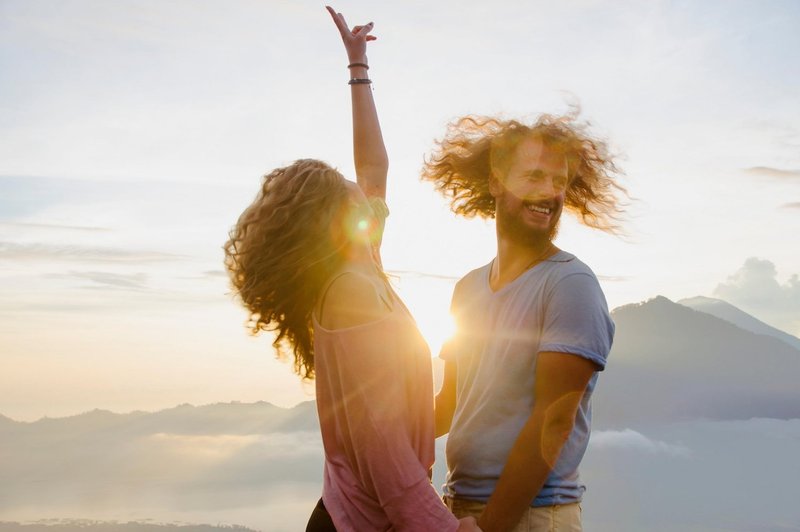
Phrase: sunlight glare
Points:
(428, 299)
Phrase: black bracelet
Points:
(359, 81)
(363, 65)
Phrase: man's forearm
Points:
(529, 463)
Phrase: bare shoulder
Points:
(352, 299)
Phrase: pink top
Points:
(375, 402)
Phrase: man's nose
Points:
(548, 188)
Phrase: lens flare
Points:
(360, 224)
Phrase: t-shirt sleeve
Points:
(374, 426)
(577, 320)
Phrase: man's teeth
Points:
(536, 208)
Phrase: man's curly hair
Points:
(478, 147)
(283, 249)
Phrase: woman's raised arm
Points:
(369, 151)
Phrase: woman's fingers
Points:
(338, 19)
(357, 31)
(363, 30)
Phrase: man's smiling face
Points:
(530, 197)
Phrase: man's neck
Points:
(513, 259)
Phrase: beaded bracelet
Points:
(359, 81)
(362, 65)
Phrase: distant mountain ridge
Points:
(668, 362)
(672, 363)
(234, 417)
(724, 310)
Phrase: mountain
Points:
(724, 310)
(221, 418)
(672, 363)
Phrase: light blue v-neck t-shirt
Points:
(556, 305)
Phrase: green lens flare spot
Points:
(362, 225)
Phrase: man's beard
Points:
(512, 226)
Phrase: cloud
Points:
(254, 463)
(57, 227)
(630, 440)
(775, 173)
(220, 463)
(135, 281)
(210, 448)
(756, 289)
(30, 252)
(671, 493)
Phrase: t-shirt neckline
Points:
(560, 254)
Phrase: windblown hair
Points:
(477, 147)
(283, 249)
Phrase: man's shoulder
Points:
(471, 282)
(565, 264)
(474, 276)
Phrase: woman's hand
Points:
(468, 524)
(355, 40)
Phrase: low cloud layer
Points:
(630, 440)
(261, 466)
(756, 289)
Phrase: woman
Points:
(304, 257)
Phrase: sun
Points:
(428, 299)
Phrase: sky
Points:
(133, 134)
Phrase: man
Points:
(533, 325)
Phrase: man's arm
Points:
(445, 404)
(561, 380)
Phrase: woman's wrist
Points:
(358, 59)
(358, 71)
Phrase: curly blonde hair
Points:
(282, 250)
(478, 147)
